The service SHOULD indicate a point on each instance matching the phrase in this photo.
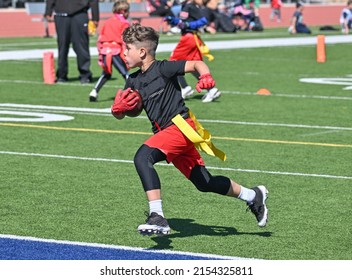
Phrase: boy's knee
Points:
(205, 182)
(146, 157)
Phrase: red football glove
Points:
(125, 100)
(206, 81)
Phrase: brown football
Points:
(137, 110)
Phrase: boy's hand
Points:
(125, 100)
(205, 81)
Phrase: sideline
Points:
(213, 45)
(28, 108)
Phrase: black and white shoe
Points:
(211, 95)
(186, 92)
(93, 95)
(258, 206)
(155, 224)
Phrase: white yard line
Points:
(107, 112)
(327, 176)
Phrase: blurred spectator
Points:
(245, 15)
(71, 23)
(177, 7)
(297, 25)
(160, 8)
(252, 5)
(219, 21)
(346, 18)
(275, 10)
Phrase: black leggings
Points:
(146, 157)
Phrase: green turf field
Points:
(75, 180)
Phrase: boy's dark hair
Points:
(141, 36)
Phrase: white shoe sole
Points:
(93, 96)
(187, 93)
(153, 229)
(208, 98)
(265, 192)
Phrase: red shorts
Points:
(187, 49)
(177, 147)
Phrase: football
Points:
(118, 116)
(138, 108)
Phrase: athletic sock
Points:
(156, 206)
(246, 194)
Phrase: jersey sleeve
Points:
(172, 68)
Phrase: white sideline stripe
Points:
(77, 109)
(214, 45)
(126, 248)
(107, 112)
(278, 124)
(303, 96)
(164, 164)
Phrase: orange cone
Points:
(48, 68)
(263, 91)
(321, 56)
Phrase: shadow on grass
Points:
(181, 228)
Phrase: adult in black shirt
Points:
(71, 23)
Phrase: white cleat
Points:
(93, 96)
(258, 205)
(211, 95)
(155, 224)
(186, 92)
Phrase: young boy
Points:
(297, 25)
(346, 18)
(156, 81)
(275, 10)
(110, 46)
(190, 22)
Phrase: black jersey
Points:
(72, 7)
(191, 12)
(160, 91)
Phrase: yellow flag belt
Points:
(204, 49)
(201, 138)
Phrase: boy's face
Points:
(133, 55)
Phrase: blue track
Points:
(16, 248)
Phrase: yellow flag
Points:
(201, 138)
